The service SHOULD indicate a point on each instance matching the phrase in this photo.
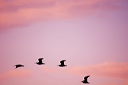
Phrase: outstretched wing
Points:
(86, 77)
(62, 62)
(19, 65)
(40, 60)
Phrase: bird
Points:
(85, 80)
(19, 65)
(40, 61)
(62, 63)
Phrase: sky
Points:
(91, 35)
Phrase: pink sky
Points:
(92, 35)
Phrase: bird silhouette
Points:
(85, 80)
(62, 63)
(40, 61)
(19, 65)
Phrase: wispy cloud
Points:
(15, 74)
(108, 69)
(22, 12)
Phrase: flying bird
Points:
(19, 65)
(40, 61)
(85, 80)
(62, 63)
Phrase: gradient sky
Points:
(92, 35)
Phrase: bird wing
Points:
(19, 65)
(62, 62)
(40, 59)
(86, 77)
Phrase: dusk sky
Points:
(91, 35)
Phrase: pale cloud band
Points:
(15, 74)
(21, 12)
(107, 69)
(110, 70)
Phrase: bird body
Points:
(85, 80)
(19, 65)
(62, 63)
(40, 61)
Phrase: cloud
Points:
(108, 69)
(15, 74)
(21, 12)
(126, 82)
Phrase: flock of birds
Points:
(61, 65)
